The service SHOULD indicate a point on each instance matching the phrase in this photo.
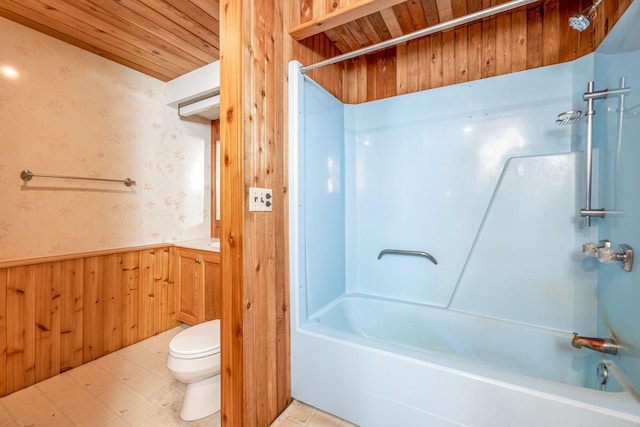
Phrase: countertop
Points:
(211, 244)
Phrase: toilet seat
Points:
(198, 341)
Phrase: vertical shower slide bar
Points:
(589, 96)
(588, 151)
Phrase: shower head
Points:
(580, 21)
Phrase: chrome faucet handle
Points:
(608, 255)
(591, 249)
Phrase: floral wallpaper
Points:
(65, 111)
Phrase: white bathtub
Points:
(356, 360)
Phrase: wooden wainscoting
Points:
(56, 315)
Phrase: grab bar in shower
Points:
(590, 95)
(403, 252)
(27, 175)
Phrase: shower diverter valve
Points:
(608, 255)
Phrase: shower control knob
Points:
(590, 249)
(607, 255)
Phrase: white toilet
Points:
(194, 359)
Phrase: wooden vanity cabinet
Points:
(198, 286)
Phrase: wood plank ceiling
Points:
(363, 23)
(161, 38)
(167, 38)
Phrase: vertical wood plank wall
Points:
(254, 338)
(57, 315)
(525, 38)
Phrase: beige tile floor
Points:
(131, 387)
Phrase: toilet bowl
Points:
(194, 359)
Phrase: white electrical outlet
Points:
(260, 199)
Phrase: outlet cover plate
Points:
(260, 199)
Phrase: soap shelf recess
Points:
(607, 255)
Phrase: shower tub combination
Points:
(471, 338)
(356, 359)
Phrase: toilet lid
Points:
(199, 340)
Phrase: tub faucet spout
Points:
(603, 345)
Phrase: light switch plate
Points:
(260, 199)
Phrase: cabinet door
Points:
(191, 276)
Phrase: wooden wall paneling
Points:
(146, 315)
(279, 253)
(601, 22)
(424, 61)
(461, 46)
(551, 32)
(21, 316)
(319, 8)
(56, 315)
(488, 48)
(47, 285)
(435, 72)
(361, 70)
(160, 291)
(112, 285)
(252, 104)
(568, 37)
(130, 297)
(234, 72)
(305, 11)
(390, 71)
(534, 36)
(413, 63)
(169, 320)
(93, 332)
(519, 41)
(503, 43)
(255, 332)
(402, 70)
(449, 75)
(273, 259)
(215, 136)
(474, 51)
(71, 314)
(3, 332)
(524, 38)
(350, 88)
(165, 290)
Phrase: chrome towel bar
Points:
(403, 252)
(27, 175)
